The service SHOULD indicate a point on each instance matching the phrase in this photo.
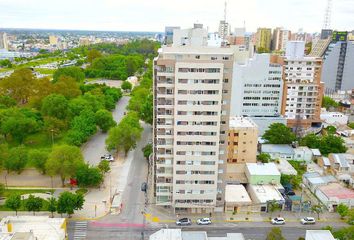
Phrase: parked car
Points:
(107, 157)
(308, 220)
(203, 221)
(183, 222)
(144, 186)
(278, 221)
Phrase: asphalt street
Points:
(96, 146)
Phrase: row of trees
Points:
(66, 203)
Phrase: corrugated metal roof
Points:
(277, 148)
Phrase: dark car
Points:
(183, 222)
(144, 187)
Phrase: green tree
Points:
(332, 144)
(74, 72)
(273, 206)
(317, 209)
(146, 113)
(311, 141)
(13, 202)
(16, 160)
(264, 157)
(351, 125)
(275, 234)
(342, 210)
(328, 103)
(104, 166)
(5, 63)
(92, 55)
(87, 176)
(104, 120)
(33, 204)
(126, 86)
(7, 102)
(69, 202)
(82, 126)
(345, 233)
(278, 133)
(38, 159)
(67, 86)
(331, 130)
(147, 151)
(64, 160)
(125, 135)
(2, 189)
(263, 50)
(55, 105)
(52, 205)
(351, 216)
(4, 154)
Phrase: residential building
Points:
(334, 118)
(84, 41)
(264, 39)
(338, 61)
(319, 235)
(34, 227)
(53, 40)
(169, 35)
(242, 148)
(238, 37)
(280, 38)
(313, 180)
(262, 194)
(278, 151)
(224, 29)
(303, 89)
(192, 37)
(303, 153)
(237, 199)
(178, 234)
(4, 44)
(257, 91)
(333, 194)
(192, 88)
(262, 173)
(342, 166)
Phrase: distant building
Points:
(4, 44)
(53, 40)
(314, 180)
(192, 37)
(241, 148)
(280, 38)
(264, 39)
(319, 235)
(334, 118)
(169, 35)
(224, 29)
(178, 234)
(303, 153)
(278, 151)
(84, 41)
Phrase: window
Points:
(197, 57)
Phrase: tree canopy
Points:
(328, 102)
(278, 133)
(73, 72)
(326, 144)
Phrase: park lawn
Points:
(10, 191)
(37, 62)
(45, 71)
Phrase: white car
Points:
(308, 220)
(278, 221)
(203, 221)
(107, 157)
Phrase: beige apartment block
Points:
(192, 87)
(242, 148)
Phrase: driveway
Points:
(96, 146)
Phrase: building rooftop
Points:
(316, 179)
(277, 148)
(241, 122)
(335, 190)
(229, 236)
(236, 193)
(265, 193)
(194, 235)
(319, 235)
(343, 159)
(326, 161)
(167, 234)
(316, 152)
(262, 169)
(285, 167)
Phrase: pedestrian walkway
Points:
(80, 230)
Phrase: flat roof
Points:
(316, 152)
(229, 236)
(265, 193)
(319, 235)
(337, 191)
(277, 148)
(242, 122)
(194, 235)
(342, 159)
(237, 194)
(285, 167)
(167, 234)
(262, 169)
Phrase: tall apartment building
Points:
(280, 38)
(191, 118)
(257, 91)
(169, 34)
(4, 44)
(242, 148)
(263, 39)
(224, 29)
(303, 89)
(338, 70)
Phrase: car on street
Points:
(144, 186)
(107, 157)
(278, 221)
(308, 220)
(183, 222)
(203, 221)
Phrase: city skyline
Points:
(135, 15)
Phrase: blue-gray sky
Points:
(154, 15)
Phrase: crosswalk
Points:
(80, 230)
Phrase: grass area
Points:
(82, 191)
(45, 70)
(9, 192)
(38, 62)
(5, 69)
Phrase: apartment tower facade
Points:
(192, 84)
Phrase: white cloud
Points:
(153, 15)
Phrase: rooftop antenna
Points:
(224, 27)
(327, 16)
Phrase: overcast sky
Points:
(154, 15)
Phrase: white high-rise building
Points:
(224, 29)
(192, 88)
(4, 44)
